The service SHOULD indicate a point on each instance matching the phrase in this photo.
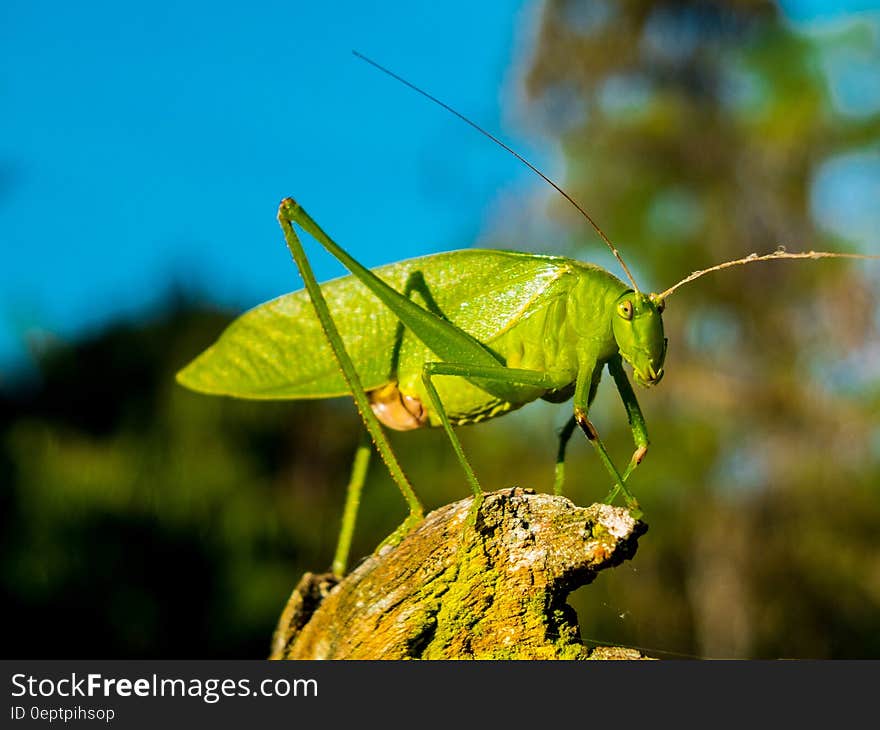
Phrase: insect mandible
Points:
(451, 339)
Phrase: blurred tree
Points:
(141, 520)
(693, 131)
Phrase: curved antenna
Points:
(753, 258)
(511, 151)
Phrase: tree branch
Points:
(448, 591)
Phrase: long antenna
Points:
(511, 151)
(753, 258)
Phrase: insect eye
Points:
(625, 308)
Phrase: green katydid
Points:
(450, 339)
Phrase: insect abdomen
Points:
(396, 410)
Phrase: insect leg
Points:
(634, 416)
(445, 340)
(437, 404)
(497, 373)
(347, 366)
(588, 379)
(415, 284)
(352, 503)
(564, 437)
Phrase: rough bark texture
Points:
(450, 591)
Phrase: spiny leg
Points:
(498, 374)
(567, 431)
(352, 503)
(564, 437)
(634, 416)
(444, 339)
(287, 214)
(415, 284)
(585, 388)
(437, 405)
(593, 437)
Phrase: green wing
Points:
(278, 350)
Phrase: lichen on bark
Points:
(449, 590)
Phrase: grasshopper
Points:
(451, 339)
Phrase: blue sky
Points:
(145, 144)
(152, 142)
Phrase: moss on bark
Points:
(448, 590)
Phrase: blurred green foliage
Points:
(694, 132)
(139, 519)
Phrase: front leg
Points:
(588, 378)
(634, 416)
